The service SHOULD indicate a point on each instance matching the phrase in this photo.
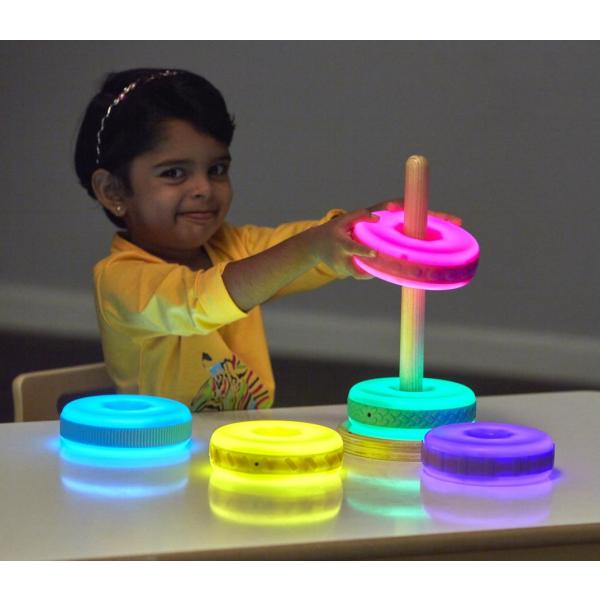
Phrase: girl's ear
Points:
(109, 192)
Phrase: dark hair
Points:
(134, 125)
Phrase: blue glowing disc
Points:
(126, 421)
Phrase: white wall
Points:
(511, 131)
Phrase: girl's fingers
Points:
(446, 217)
(398, 204)
(361, 274)
(356, 272)
(359, 250)
(393, 205)
(362, 216)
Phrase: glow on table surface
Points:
(54, 509)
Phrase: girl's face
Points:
(181, 193)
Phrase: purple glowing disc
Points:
(488, 453)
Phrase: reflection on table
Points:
(274, 500)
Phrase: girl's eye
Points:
(172, 173)
(219, 170)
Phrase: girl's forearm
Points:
(253, 280)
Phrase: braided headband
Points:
(120, 98)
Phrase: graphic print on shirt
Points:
(232, 386)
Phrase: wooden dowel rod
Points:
(412, 310)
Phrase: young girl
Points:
(178, 298)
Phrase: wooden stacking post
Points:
(412, 311)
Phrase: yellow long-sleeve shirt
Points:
(173, 332)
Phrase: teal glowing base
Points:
(377, 408)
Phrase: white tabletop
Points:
(50, 509)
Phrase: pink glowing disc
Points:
(446, 259)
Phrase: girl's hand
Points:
(391, 205)
(398, 204)
(333, 244)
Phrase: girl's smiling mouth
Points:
(199, 216)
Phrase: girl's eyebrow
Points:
(187, 161)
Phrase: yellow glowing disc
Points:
(276, 448)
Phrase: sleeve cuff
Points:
(214, 297)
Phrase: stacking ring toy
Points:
(488, 454)
(125, 422)
(378, 408)
(276, 448)
(388, 418)
(446, 259)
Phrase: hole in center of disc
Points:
(431, 234)
(127, 405)
(489, 433)
(276, 431)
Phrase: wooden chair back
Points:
(41, 395)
